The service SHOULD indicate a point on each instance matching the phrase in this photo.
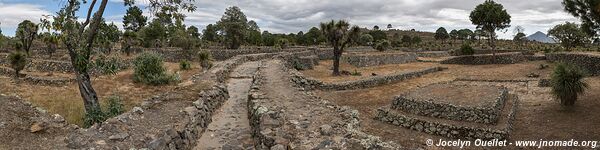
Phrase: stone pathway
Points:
(230, 128)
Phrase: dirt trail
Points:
(230, 128)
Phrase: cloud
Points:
(13, 14)
(425, 15)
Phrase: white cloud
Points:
(13, 14)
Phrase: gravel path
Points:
(230, 128)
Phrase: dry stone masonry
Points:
(585, 61)
(367, 59)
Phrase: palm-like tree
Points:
(205, 59)
(339, 34)
(567, 83)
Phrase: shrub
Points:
(356, 73)
(567, 83)
(18, 61)
(115, 106)
(466, 49)
(149, 69)
(93, 116)
(382, 45)
(282, 43)
(185, 65)
(205, 59)
(109, 65)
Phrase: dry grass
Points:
(67, 102)
(323, 70)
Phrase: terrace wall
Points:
(366, 60)
(589, 62)
(505, 58)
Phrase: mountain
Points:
(540, 37)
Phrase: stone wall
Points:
(49, 66)
(488, 115)
(311, 83)
(433, 54)
(589, 61)
(48, 81)
(449, 130)
(505, 58)
(374, 59)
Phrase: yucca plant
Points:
(205, 59)
(18, 61)
(567, 83)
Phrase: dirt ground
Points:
(539, 115)
(469, 96)
(66, 100)
(323, 70)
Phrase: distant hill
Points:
(540, 37)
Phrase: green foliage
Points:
(569, 35)
(130, 39)
(490, 16)
(365, 40)
(51, 41)
(233, 25)
(154, 34)
(149, 69)
(115, 106)
(383, 45)
(26, 33)
(314, 36)
(339, 34)
(464, 34)
(587, 11)
(210, 33)
(441, 34)
(356, 73)
(567, 83)
(466, 49)
(205, 59)
(453, 34)
(185, 65)
(282, 43)
(93, 116)
(378, 35)
(18, 61)
(107, 35)
(109, 64)
(134, 19)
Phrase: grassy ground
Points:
(67, 102)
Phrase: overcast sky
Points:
(285, 16)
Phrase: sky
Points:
(291, 16)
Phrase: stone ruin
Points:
(454, 111)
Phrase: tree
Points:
(210, 33)
(454, 34)
(520, 38)
(253, 36)
(588, 13)
(18, 61)
(108, 34)
(315, 36)
(193, 31)
(233, 25)
(339, 34)
(154, 34)
(51, 41)
(134, 19)
(464, 34)
(376, 27)
(389, 26)
(26, 33)
(366, 40)
(490, 16)
(567, 84)
(130, 39)
(441, 34)
(569, 35)
(80, 43)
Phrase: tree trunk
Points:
(336, 61)
(491, 40)
(90, 99)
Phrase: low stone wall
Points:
(506, 58)
(49, 66)
(311, 83)
(488, 115)
(48, 81)
(589, 62)
(449, 130)
(374, 59)
(433, 54)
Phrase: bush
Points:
(109, 65)
(466, 49)
(92, 117)
(149, 69)
(115, 106)
(382, 45)
(567, 83)
(356, 73)
(185, 65)
(282, 43)
(18, 61)
(205, 59)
